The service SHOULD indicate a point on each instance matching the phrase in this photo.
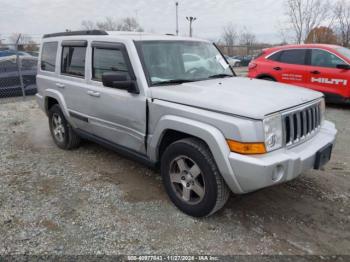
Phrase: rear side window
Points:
(275, 56)
(48, 56)
(73, 61)
(296, 57)
(107, 60)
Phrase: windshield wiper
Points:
(220, 76)
(174, 81)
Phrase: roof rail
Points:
(83, 32)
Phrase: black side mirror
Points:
(343, 66)
(121, 80)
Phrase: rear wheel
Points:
(267, 78)
(192, 179)
(61, 131)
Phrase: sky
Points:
(36, 17)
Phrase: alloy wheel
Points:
(187, 180)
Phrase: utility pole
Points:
(177, 17)
(191, 19)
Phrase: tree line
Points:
(111, 24)
(317, 21)
(305, 21)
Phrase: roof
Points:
(325, 46)
(100, 34)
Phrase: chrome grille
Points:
(301, 124)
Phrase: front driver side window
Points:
(322, 58)
(107, 60)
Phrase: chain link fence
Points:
(243, 53)
(17, 71)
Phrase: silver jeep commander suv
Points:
(175, 103)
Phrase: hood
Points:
(244, 97)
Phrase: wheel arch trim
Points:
(209, 134)
(260, 76)
(51, 93)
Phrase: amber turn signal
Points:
(246, 148)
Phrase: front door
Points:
(324, 74)
(115, 114)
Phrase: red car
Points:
(324, 68)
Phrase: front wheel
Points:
(192, 179)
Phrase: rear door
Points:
(73, 82)
(290, 67)
(324, 74)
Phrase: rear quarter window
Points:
(48, 56)
(275, 57)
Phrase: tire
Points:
(61, 131)
(237, 64)
(266, 78)
(180, 175)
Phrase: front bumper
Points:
(256, 172)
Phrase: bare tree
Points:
(305, 15)
(342, 18)
(247, 39)
(109, 24)
(16, 37)
(229, 37)
(129, 24)
(31, 46)
(88, 25)
(22, 39)
(25, 42)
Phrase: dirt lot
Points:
(93, 201)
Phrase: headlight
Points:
(273, 132)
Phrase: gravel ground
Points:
(93, 201)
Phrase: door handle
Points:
(60, 85)
(93, 93)
(277, 68)
(315, 72)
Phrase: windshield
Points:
(182, 61)
(344, 51)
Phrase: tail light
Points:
(252, 65)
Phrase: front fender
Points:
(209, 134)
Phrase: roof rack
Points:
(72, 33)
